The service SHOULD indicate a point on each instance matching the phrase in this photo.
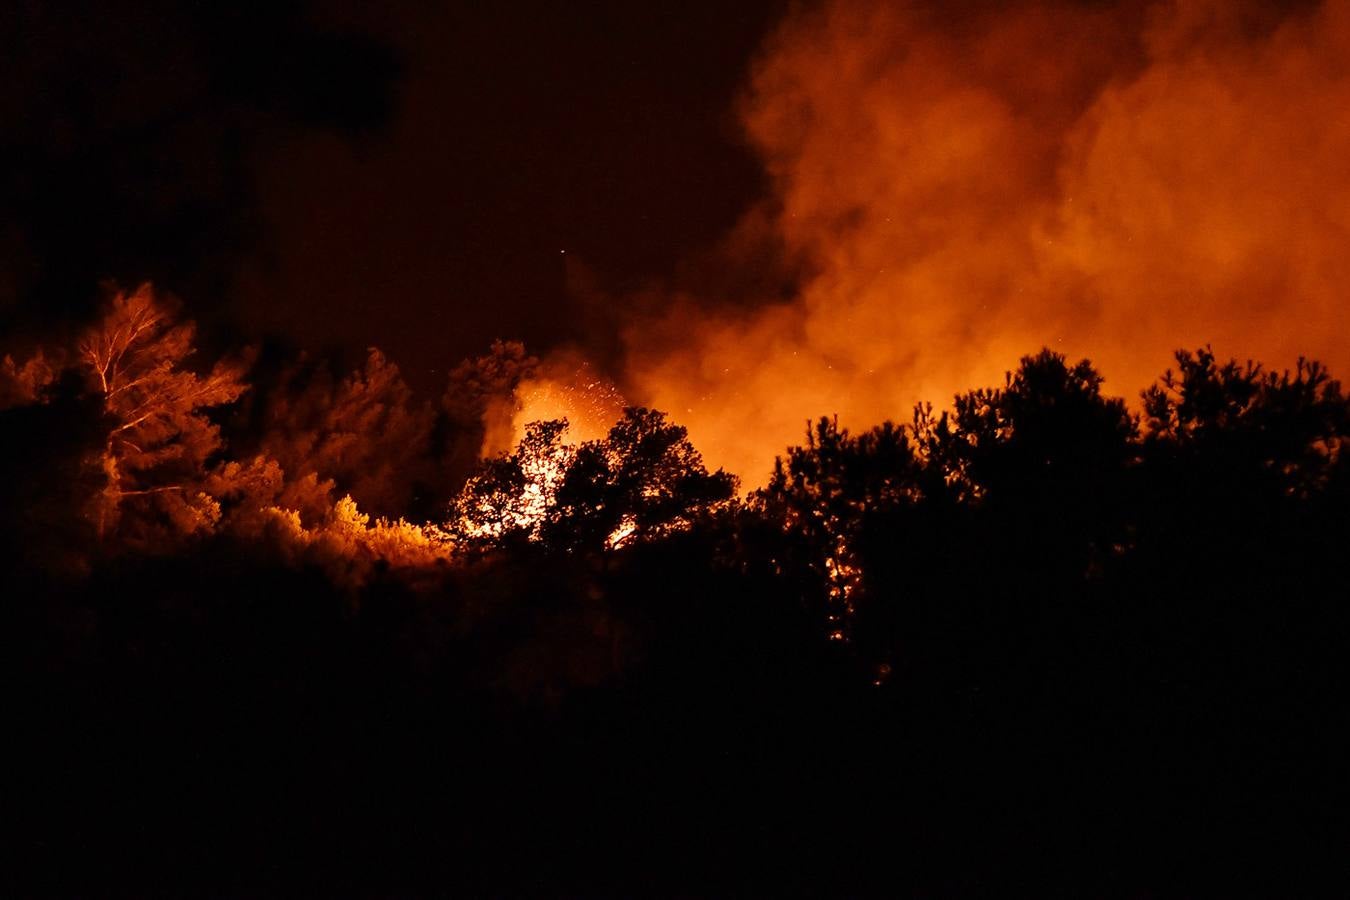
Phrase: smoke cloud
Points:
(959, 188)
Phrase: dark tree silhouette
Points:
(509, 497)
(923, 659)
(364, 435)
(1047, 460)
(479, 399)
(818, 500)
(1279, 432)
(643, 481)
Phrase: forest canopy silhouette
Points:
(281, 598)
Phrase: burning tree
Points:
(512, 496)
(819, 497)
(159, 438)
(644, 479)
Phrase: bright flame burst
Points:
(571, 390)
(493, 516)
(568, 389)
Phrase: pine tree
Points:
(159, 437)
(364, 435)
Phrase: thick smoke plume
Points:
(962, 187)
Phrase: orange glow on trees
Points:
(642, 480)
(513, 495)
(362, 435)
(159, 438)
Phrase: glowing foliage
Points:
(348, 546)
(643, 480)
(21, 385)
(513, 496)
(159, 439)
(364, 435)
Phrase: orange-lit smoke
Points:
(565, 386)
(962, 187)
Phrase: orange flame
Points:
(565, 386)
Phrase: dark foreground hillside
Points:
(1037, 646)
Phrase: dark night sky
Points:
(407, 177)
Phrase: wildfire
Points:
(620, 536)
(568, 389)
(1111, 181)
(564, 404)
(843, 582)
(490, 518)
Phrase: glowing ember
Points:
(621, 535)
(589, 402)
(566, 390)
